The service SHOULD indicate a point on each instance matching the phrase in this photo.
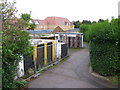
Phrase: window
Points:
(37, 22)
(66, 23)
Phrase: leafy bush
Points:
(100, 32)
(104, 58)
(104, 41)
(15, 43)
(20, 84)
(84, 29)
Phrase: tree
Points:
(8, 11)
(9, 20)
(86, 22)
(32, 26)
(84, 29)
(94, 22)
(101, 20)
(15, 44)
(26, 18)
(77, 24)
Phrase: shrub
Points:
(20, 84)
(104, 58)
(103, 39)
(84, 29)
(100, 32)
(15, 43)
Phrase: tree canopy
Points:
(26, 18)
(77, 23)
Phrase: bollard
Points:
(45, 53)
(53, 50)
(35, 57)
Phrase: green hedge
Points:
(104, 51)
(104, 58)
(84, 29)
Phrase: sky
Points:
(74, 10)
(119, 8)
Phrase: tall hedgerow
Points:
(103, 39)
(83, 29)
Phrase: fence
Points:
(44, 55)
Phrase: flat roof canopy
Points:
(68, 33)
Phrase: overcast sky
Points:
(119, 8)
(71, 9)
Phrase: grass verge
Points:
(114, 80)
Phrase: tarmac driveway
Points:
(72, 73)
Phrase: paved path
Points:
(72, 73)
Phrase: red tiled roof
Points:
(34, 20)
(53, 21)
(42, 22)
(57, 21)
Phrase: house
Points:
(58, 29)
(52, 23)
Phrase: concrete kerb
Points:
(96, 74)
